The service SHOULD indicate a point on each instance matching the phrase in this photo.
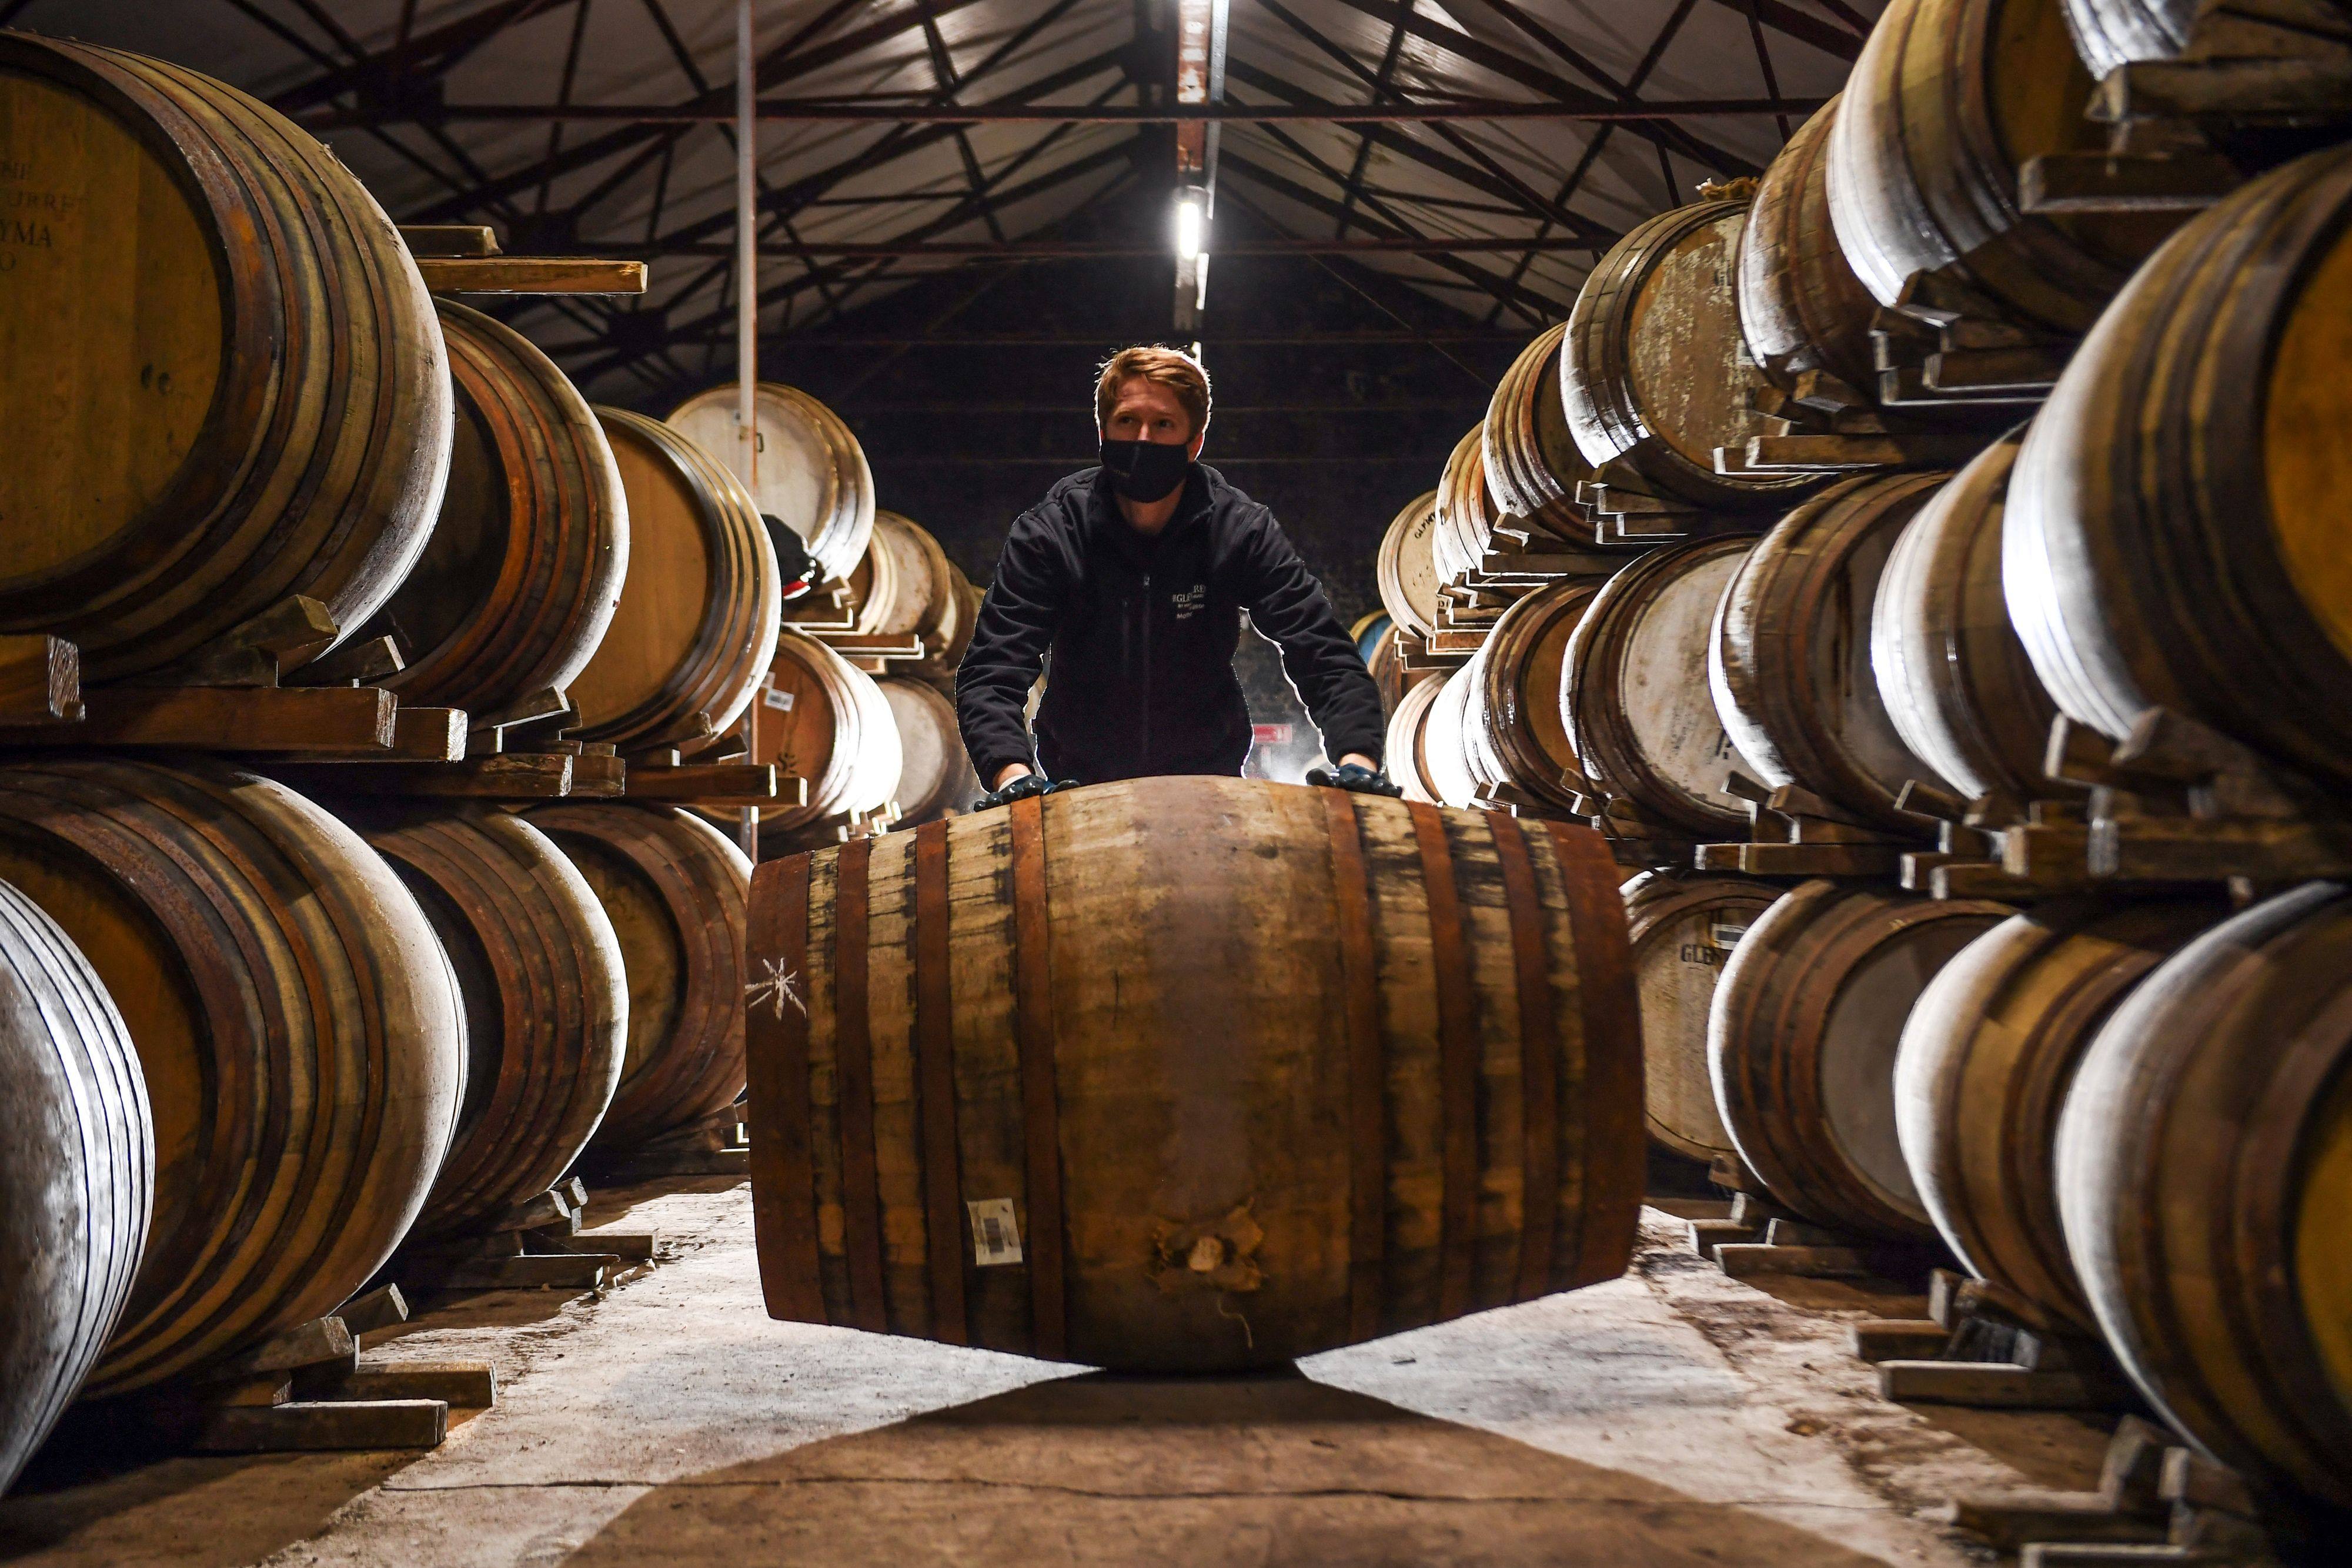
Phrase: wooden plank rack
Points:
(1759, 1237)
(1795, 832)
(1984, 1345)
(2157, 1504)
(540, 1246)
(311, 1389)
(465, 258)
(716, 1147)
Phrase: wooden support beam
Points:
(513, 775)
(449, 239)
(531, 274)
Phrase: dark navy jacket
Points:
(1142, 633)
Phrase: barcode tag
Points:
(780, 700)
(995, 1234)
(1726, 934)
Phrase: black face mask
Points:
(1145, 470)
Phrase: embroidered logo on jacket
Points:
(1188, 602)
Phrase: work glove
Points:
(1021, 789)
(1356, 778)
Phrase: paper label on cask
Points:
(995, 1233)
(781, 701)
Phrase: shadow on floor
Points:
(1203, 1472)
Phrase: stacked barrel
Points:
(2026, 460)
(254, 1043)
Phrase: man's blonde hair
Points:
(1176, 370)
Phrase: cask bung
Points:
(2204, 1181)
(1789, 661)
(812, 475)
(673, 887)
(696, 624)
(227, 385)
(1986, 1061)
(1802, 1041)
(540, 973)
(515, 589)
(1365, 1065)
(77, 1173)
(296, 1020)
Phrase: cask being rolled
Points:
(673, 887)
(1946, 104)
(1368, 1065)
(1954, 678)
(811, 474)
(1641, 719)
(226, 386)
(1683, 927)
(77, 1173)
(696, 624)
(1652, 371)
(1405, 568)
(1800, 1045)
(2204, 1181)
(2173, 537)
(1801, 309)
(296, 1020)
(1986, 1061)
(540, 973)
(1788, 662)
(935, 774)
(518, 583)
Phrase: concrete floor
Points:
(1673, 1416)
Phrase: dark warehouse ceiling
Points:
(1480, 150)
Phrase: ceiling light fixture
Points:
(1192, 226)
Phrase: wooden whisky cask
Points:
(1652, 371)
(1986, 1061)
(1447, 735)
(1800, 1045)
(1519, 742)
(2110, 33)
(673, 887)
(2172, 537)
(296, 1020)
(228, 384)
(1466, 513)
(1951, 673)
(824, 720)
(539, 974)
(811, 474)
(2204, 1157)
(1532, 460)
(935, 775)
(1634, 698)
(1802, 308)
(1944, 106)
(1405, 569)
(695, 626)
(1424, 1099)
(1683, 927)
(921, 598)
(1402, 749)
(1788, 662)
(76, 1173)
(518, 583)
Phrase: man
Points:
(1134, 576)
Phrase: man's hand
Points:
(1358, 776)
(1021, 787)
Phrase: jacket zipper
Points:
(1145, 758)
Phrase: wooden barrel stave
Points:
(1800, 1045)
(1788, 661)
(271, 420)
(1982, 1072)
(1802, 308)
(1945, 105)
(2204, 1157)
(1952, 675)
(297, 1023)
(696, 624)
(515, 589)
(78, 1142)
(673, 887)
(2170, 539)
(811, 474)
(1650, 368)
(1683, 929)
(541, 973)
(1641, 719)
(1163, 1154)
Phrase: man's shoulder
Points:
(1233, 511)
